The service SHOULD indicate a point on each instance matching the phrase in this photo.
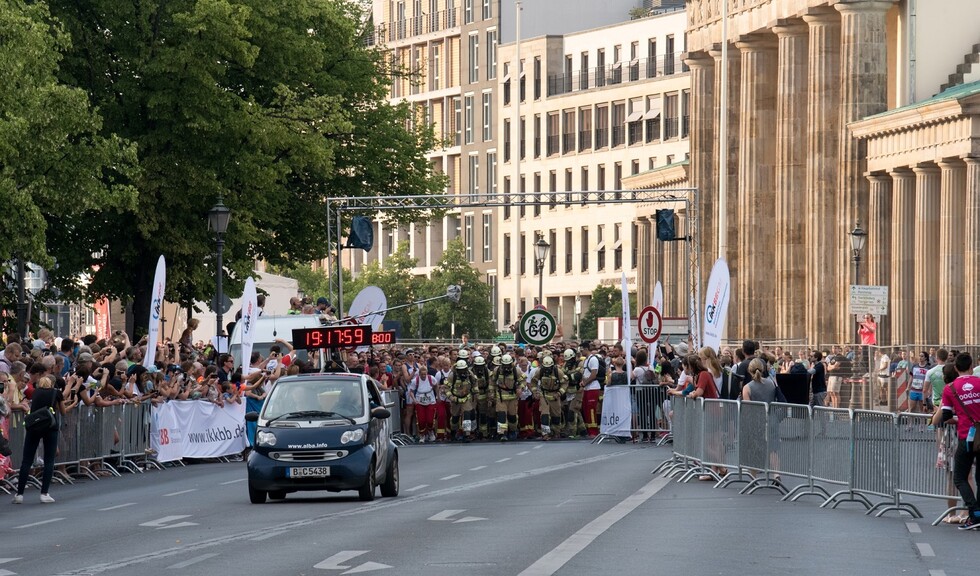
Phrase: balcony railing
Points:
(685, 126)
(417, 25)
(618, 136)
(584, 140)
(568, 142)
(568, 263)
(671, 128)
(612, 74)
(553, 141)
(653, 129)
(601, 138)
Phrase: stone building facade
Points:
(800, 72)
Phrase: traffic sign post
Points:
(537, 327)
(869, 300)
(650, 324)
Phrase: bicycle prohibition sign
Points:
(537, 327)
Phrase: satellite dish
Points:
(368, 307)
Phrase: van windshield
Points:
(343, 397)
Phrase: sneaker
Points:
(972, 523)
(47, 499)
(18, 499)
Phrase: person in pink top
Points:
(868, 331)
(961, 400)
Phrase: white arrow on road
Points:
(7, 572)
(447, 516)
(335, 562)
(162, 523)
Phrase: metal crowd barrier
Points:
(393, 402)
(91, 439)
(876, 459)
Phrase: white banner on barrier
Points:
(250, 315)
(156, 309)
(197, 429)
(617, 414)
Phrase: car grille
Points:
(309, 456)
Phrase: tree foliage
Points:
(57, 161)
(606, 301)
(474, 312)
(273, 107)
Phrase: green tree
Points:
(606, 301)
(55, 163)
(473, 314)
(271, 106)
(316, 283)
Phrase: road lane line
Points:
(477, 468)
(116, 507)
(937, 573)
(192, 561)
(913, 528)
(417, 488)
(41, 523)
(332, 517)
(450, 477)
(925, 550)
(181, 492)
(233, 481)
(561, 554)
(538, 447)
(524, 452)
(502, 460)
(269, 535)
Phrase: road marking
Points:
(502, 460)
(538, 447)
(447, 516)
(162, 523)
(560, 504)
(332, 517)
(41, 523)
(117, 506)
(334, 562)
(937, 573)
(913, 528)
(419, 487)
(524, 452)
(187, 563)
(181, 492)
(925, 550)
(233, 481)
(7, 572)
(450, 477)
(561, 554)
(477, 468)
(268, 535)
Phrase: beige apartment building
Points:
(832, 123)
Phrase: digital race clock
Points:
(386, 338)
(332, 337)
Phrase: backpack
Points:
(601, 372)
(797, 368)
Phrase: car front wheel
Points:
(366, 492)
(256, 496)
(389, 488)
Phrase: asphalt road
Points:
(531, 508)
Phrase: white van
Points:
(268, 328)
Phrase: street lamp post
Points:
(541, 248)
(858, 238)
(218, 218)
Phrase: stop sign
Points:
(650, 323)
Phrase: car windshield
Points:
(316, 398)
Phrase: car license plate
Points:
(308, 472)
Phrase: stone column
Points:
(971, 264)
(702, 107)
(756, 185)
(729, 167)
(790, 205)
(879, 241)
(864, 91)
(926, 246)
(952, 235)
(901, 290)
(823, 137)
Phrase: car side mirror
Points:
(251, 416)
(380, 413)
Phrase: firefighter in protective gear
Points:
(508, 382)
(550, 383)
(494, 353)
(485, 405)
(460, 386)
(574, 423)
(464, 355)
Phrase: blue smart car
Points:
(322, 432)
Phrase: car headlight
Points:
(264, 438)
(352, 436)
